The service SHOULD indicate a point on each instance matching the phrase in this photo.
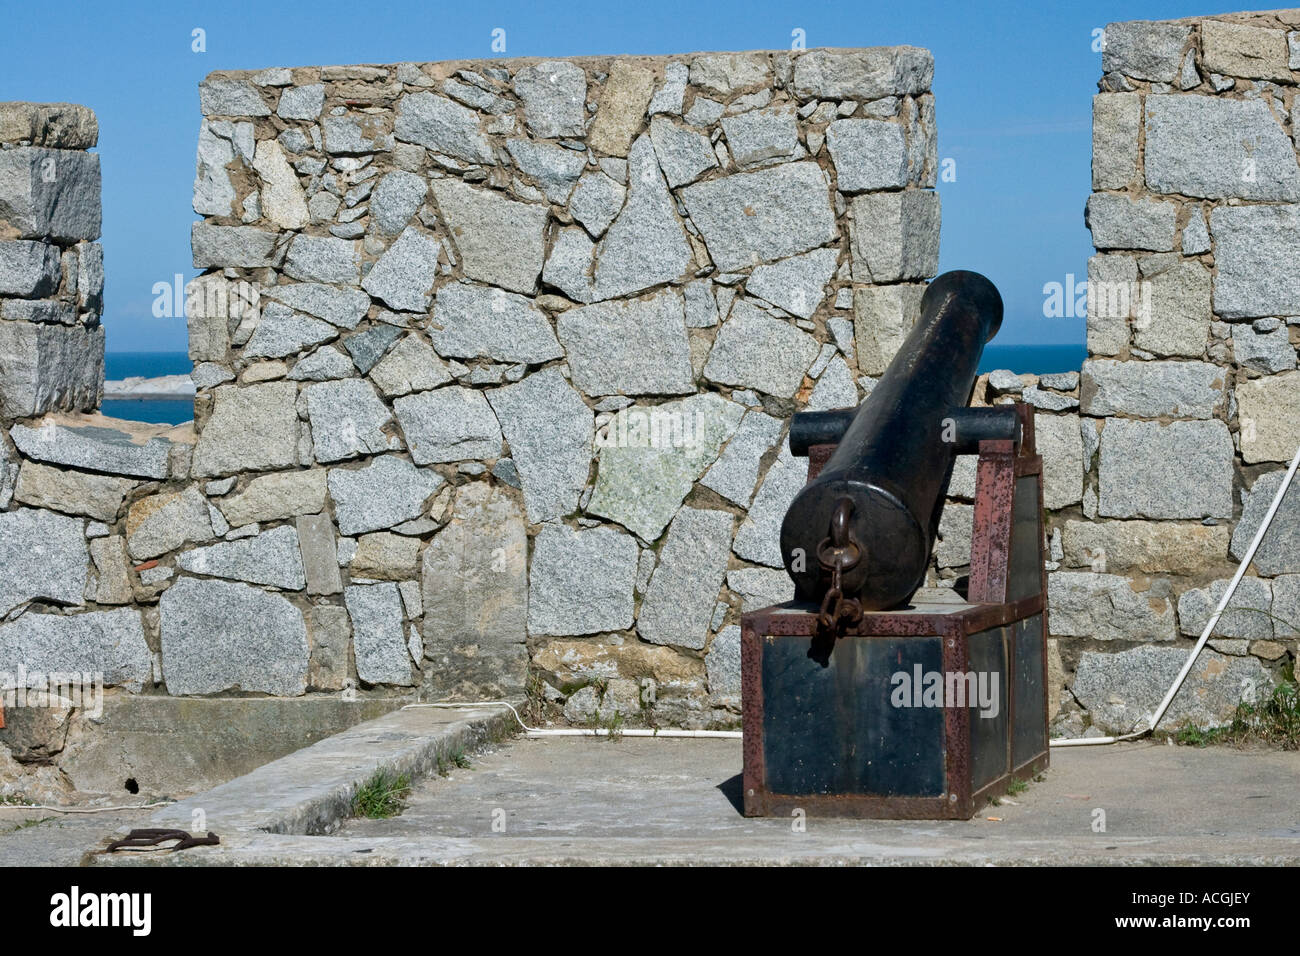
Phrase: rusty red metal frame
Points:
(1000, 463)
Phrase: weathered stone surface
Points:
(756, 350)
(368, 347)
(163, 522)
(252, 428)
(1145, 50)
(475, 595)
(28, 269)
(895, 235)
(868, 154)
(760, 587)
(1246, 616)
(622, 107)
(723, 665)
(135, 449)
(1279, 551)
(863, 74)
(797, 284)
(1176, 319)
(347, 420)
(549, 429)
(596, 200)
(1263, 351)
(396, 199)
(735, 472)
(759, 136)
(385, 556)
(410, 366)
(473, 321)
(443, 126)
(1112, 280)
(110, 643)
(72, 492)
(701, 305)
(684, 588)
(952, 547)
(553, 168)
(1107, 607)
(220, 247)
(282, 332)
(220, 143)
(384, 493)
(50, 194)
(1147, 546)
(112, 580)
(227, 96)
(1254, 247)
(581, 581)
(323, 259)
(629, 348)
(683, 154)
(322, 365)
(1119, 690)
(882, 317)
(759, 536)
(378, 637)
(1235, 49)
(42, 557)
(1118, 222)
(747, 218)
(448, 424)
(356, 134)
(49, 367)
(320, 559)
(403, 276)
(726, 73)
(331, 638)
(554, 94)
(1218, 148)
(1137, 480)
(646, 245)
(56, 125)
(650, 458)
(500, 241)
(1116, 121)
(221, 636)
(283, 200)
(1268, 410)
(1286, 606)
(269, 558)
(342, 307)
(301, 102)
(1151, 389)
(580, 661)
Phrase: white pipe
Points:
(1153, 719)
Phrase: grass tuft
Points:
(382, 796)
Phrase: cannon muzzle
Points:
(866, 524)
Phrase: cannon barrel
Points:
(873, 511)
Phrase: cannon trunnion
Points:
(867, 696)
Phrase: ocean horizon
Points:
(1019, 358)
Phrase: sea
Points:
(1039, 359)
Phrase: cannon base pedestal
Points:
(922, 712)
(917, 714)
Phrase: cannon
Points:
(841, 715)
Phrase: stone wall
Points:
(494, 363)
(1189, 402)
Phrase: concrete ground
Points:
(639, 801)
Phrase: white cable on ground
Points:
(41, 806)
(1153, 719)
(582, 731)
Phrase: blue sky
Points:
(1013, 86)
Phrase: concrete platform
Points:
(640, 801)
